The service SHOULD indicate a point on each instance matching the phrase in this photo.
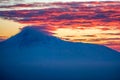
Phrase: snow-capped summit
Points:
(33, 54)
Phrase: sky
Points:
(9, 2)
(64, 0)
(96, 22)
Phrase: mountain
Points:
(33, 54)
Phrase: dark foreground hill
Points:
(33, 54)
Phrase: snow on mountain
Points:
(33, 54)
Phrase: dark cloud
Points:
(100, 16)
(65, 16)
(104, 39)
(111, 34)
(2, 38)
(79, 39)
(89, 35)
(68, 14)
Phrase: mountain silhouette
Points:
(33, 54)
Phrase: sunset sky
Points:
(89, 22)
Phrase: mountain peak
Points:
(35, 29)
(32, 35)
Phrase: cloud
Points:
(104, 39)
(89, 35)
(2, 38)
(113, 44)
(66, 13)
(111, 34)
(74, 15)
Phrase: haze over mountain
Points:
(33, 54)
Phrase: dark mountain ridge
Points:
(33, 54)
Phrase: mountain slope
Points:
(34, 54)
